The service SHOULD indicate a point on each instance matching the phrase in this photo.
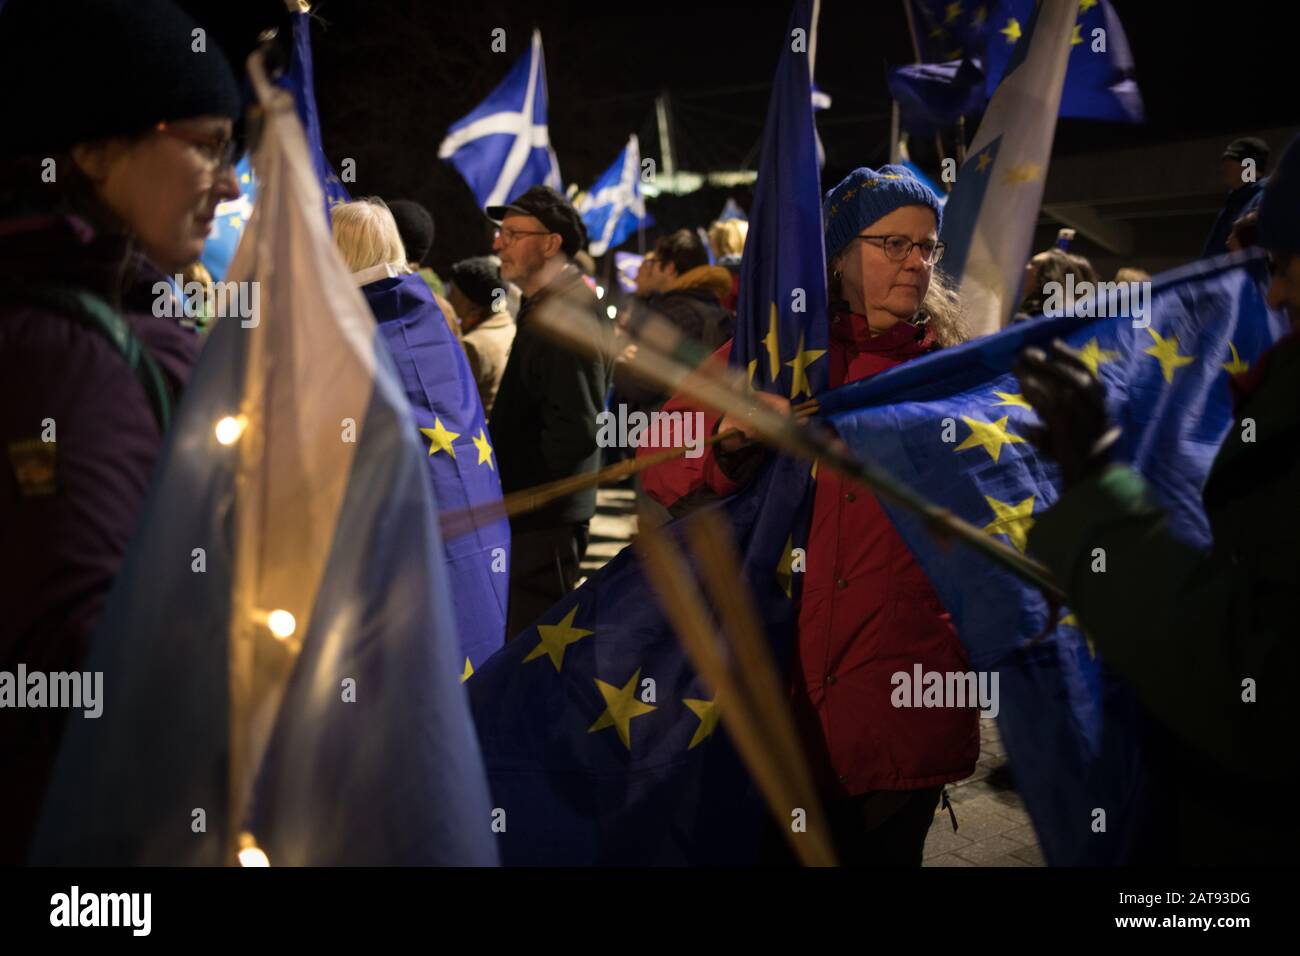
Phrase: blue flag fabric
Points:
(615, 207)
(299, 80)
(1099, 84)
(295, 685)
(228, 225)
(503, 147)
(1075, 735)
(436, 378)
(931, 97)
(591, 763)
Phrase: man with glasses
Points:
(544, 419)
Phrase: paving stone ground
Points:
(993, 828)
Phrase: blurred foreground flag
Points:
(615, 208)
(1076, 736)
(503, 146)
(279, 659)
(989, 218)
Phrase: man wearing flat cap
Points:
(1245, 189)
(544, 419)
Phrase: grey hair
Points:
(941, 311)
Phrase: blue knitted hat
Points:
(1279, 210)
(865, 195)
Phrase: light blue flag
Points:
(228, 224)
(503, 147)
(615, 207)
(281, 670)
(1076, 735)
(989, 220)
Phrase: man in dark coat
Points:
(544, 418)
(1244, 191)
(1209, 640)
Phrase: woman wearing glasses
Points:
(109, 180)
(866, 610)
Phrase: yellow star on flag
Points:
(1012, 30)
(707, 711)
(1094, 356)
(554, 638)
(984, 161)
(753, 367)
(953, 11)
(937, 32)
(1165, 351)
(1015, 399)
(773, 343)
(621, 706)
(484, 449)
(439, 438)
(1024, 173)
(802, 359)
(468, 672)
(990, 436)
(785, 569)
(1071, 621)
(1236, 366)
(1086, 5)
(978, 17)
(1012, 520)
(1076, 38)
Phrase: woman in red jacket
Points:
(867, 611)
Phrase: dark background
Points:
(392, 75)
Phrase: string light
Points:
(230, 428)
(250, 854)
(281, 623)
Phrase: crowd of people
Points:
(141, 171)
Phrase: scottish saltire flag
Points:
(626, 266)
(1099, 83)
(952, 426)
(602, 745)
(503, 146)
(228, 224)
(615, 207)
(462, 465)
(294, 687)
(990, 216)
(299, 80)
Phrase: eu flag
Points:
(299, 80)
(952, 426)
(601, 743)
(460, 460)
(281, 672)
(1100, 80)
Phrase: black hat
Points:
(479, 279)
(81, 70)
(1248, 147)
(415, 224)
(550, 209)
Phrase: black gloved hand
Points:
(1071, 402)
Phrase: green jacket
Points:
(1188, 628)
(544, 418)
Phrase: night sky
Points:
(391, 75)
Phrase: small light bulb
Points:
(600, 292)
(229, 429)
(249, 852)
(611, 311)
(281, 623)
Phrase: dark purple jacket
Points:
(63, 534)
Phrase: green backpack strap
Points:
(95, 313)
